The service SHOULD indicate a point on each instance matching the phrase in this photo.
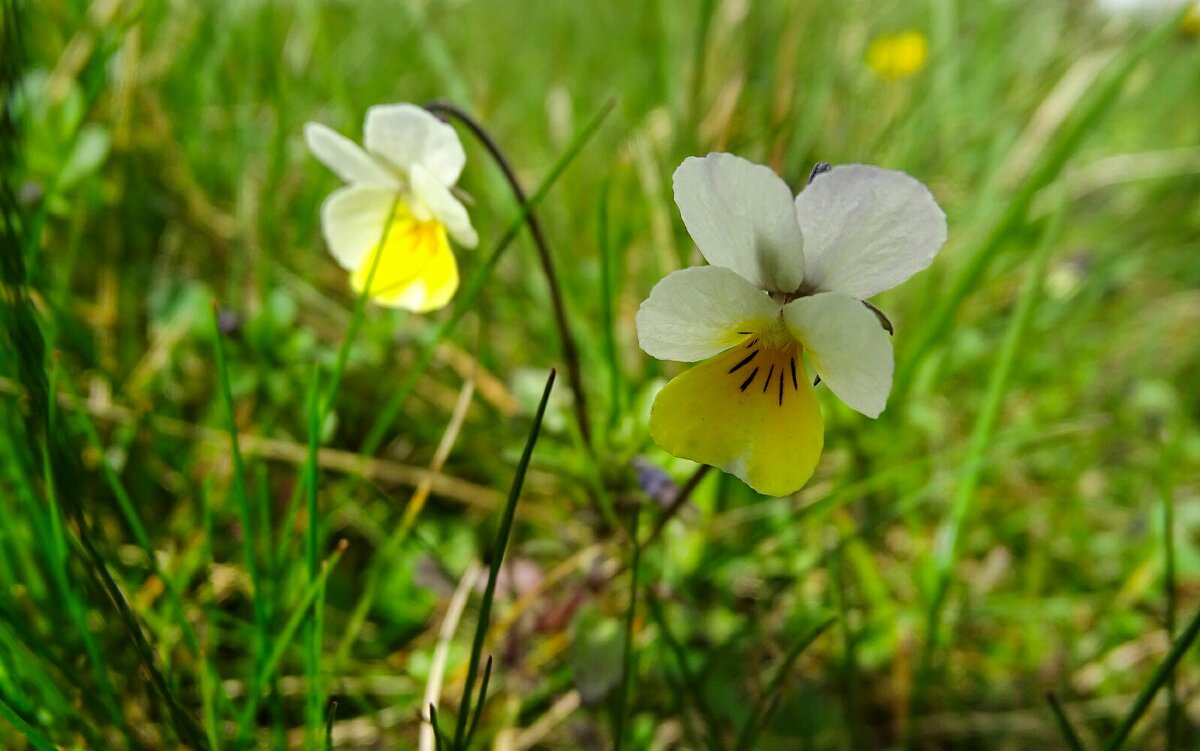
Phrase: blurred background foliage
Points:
(1023, 518)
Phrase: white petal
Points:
(407, 135)
(694, 313)
(867, 229)
(740, 214)
(847, 346)
(444, 206)
(346, 158)
(353, 220)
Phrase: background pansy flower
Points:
(786, 281)
(397, 205)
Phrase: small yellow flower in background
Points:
(786, 279)
(1191, 22)
(397, 205)
(896, 56)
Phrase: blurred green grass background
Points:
(1022, 519)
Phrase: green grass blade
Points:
(284, 639)
(692, 686)
(130, 513)
(762, 715)
(483, 686)
(72, 598)
(39, 741)
(439, 739)
(241, 492)
(608, 323)
(1064, 725)
(621, 712)
(1170, 457)
(313, 629)
(461, 737)
(1099, 99)
(124, 502)
(1161, 675)
(946, 542)
(466, 296)
(332, 717)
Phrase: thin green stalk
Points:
(762, 714)
(478, 713)
(439, 738)
(356, 318)
(39, 741)
(461, 737)
(313, 629)
(946, 543)
(124, 502)
(284, 639)
(71, 598)
(333, 705)
(1161, 675)
(699, 54)
(466, 296)
(678, 502)
(1170, 456)
(1065, 144)
(335, 379)
(209, 681)
(570, 350)
(691, 684)
(849, 664)
(608, 324)
(241, 493)
(627, 655)
(1064, 725)
(130, 513)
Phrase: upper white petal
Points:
(741, 216)
(867, 229)
(447, 209)
(353, 219)
(407, 135)
(694, 313)
(847, 347)
(346, 158)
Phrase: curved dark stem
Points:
(685, 492)
(569, 350)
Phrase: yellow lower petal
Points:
(415, 268)
(749, 411)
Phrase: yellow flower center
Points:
(768, 363)
(408, 248)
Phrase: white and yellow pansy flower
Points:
(397, 207)
(784, 288)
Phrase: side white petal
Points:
(406, 135)
(346, 158)
(447, 209)
(353, 220)
(847, 346)
(741, 216)
(694, 313)
(867, 229)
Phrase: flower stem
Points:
(677, 503)
(569, 349)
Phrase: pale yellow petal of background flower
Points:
(416, 268)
